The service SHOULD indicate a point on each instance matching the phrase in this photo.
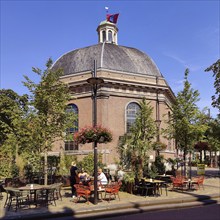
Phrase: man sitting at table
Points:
(102, 179)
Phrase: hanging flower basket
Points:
(91, 134)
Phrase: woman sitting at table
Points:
(102, 179)
(83, 176)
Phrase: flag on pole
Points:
(106, 8)
(112, 18)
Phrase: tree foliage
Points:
(49, 100)
(29, 125)
(49, 115)
(13, 111)
(186, 121)
(13, 130)
(215, 68)
(135, 146)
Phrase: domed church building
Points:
(129, 75)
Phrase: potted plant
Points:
(152, 172)
(90, 134)
(128, 179)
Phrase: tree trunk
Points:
(216, 159)
(184, 163)
(45, 167)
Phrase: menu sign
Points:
(201, 169)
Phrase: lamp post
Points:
(94, 81)
(158, 122)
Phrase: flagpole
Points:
(106, 10)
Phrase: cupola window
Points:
(103, 36)
(110, 36)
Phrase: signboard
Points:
(201, 169)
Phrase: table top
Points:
(153, 180)
(164, 175)
(33, 187)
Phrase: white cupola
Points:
(107, 32)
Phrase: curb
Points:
(125, 209)
(139, 207)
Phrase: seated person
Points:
(102, 179)
(83, 176)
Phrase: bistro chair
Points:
(179, 182)
(50, 196)
(57, 187)
(112, 190)
(198, 181)
(148, 188)
(163, 186)
(137, 186)
(82, 191)
(46, 196)
(17, 198)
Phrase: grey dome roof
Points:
(108, 56)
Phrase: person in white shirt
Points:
(120, 174)
(102, 179)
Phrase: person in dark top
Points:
(73, 177)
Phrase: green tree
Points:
(13, 111)
(212, 135)
(215, 68)
(49, 114)
(13, 108)
(135, 145)
(185, 120)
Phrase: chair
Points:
(1, 190)
(57, 187)
(82, 191)
(165, 186)
(137, 186)
(148, 188)
(198, 181)
(50, 199)
(178, 182)
(112, 190)
(47, 196)
(17, 198)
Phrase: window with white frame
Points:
(131, 113)
(71, 145)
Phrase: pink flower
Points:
(90, 134)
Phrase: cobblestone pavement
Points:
(68, 207)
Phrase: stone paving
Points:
(68, 207)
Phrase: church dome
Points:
(109, 56)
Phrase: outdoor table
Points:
(156, 182)
(100, 190)
(166, 178)
(189, 183)
(33, 188)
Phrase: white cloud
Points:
(183, 62)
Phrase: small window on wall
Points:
(69, 144)
(131, 113)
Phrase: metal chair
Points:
(17, 198)
(82, 191)
(112, 190)
(148, 188)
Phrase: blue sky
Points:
(175, 34)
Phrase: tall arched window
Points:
(69, 144)
(110, 36)
(131, 113)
